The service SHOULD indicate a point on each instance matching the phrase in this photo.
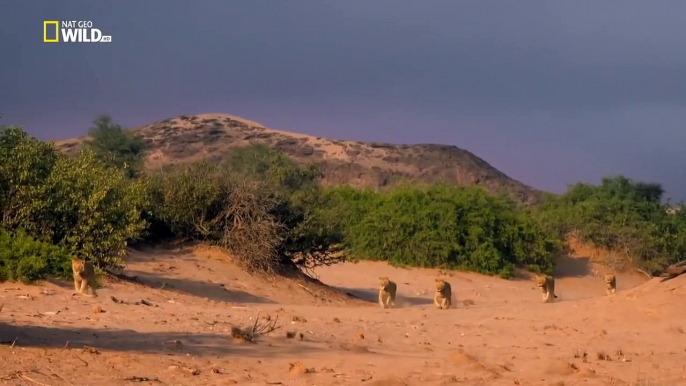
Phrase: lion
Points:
(387, 289)
(443, 298)
(84, 277)
(547, 285)
(611, 281)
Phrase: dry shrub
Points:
(329, 255)
(205, 202)
(257, 329)
(249, 231)
(254, 204)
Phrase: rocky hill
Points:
(190, 138)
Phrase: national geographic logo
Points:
(73, 31)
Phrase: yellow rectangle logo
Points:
(45, 32)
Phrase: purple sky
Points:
(549, 92)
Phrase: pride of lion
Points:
(443, 297)
(85, 283)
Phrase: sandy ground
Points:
(499, 334)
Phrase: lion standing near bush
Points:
(84, 277)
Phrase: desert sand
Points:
(174, 328)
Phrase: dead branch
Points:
(25, 378)
(142, 301)
(145, 302)
(125, 277)
(257, 329)
(649, 276)
(674, 270)
(142, 379)
(90, 350)
(266, 328)
(319, 257)
(59, 376)
(307, 289)
(310, 272)
(81, 359)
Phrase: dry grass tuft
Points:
(257, 329)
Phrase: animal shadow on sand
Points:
(62, 283)
(566, 266)
(192, 343)
(372, 295)
(202, 289)
(160, 252)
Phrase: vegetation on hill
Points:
(186, 139)
(272, 213)
(116, 146)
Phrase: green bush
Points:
(79, 203)
(25, 259)
(439, 226)
(91, 209)
(188, 200)
(261, 163)
(25, 165)
(619, 215)
(116, 146)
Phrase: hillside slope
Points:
(361, 164)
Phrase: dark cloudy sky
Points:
(550, 92)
